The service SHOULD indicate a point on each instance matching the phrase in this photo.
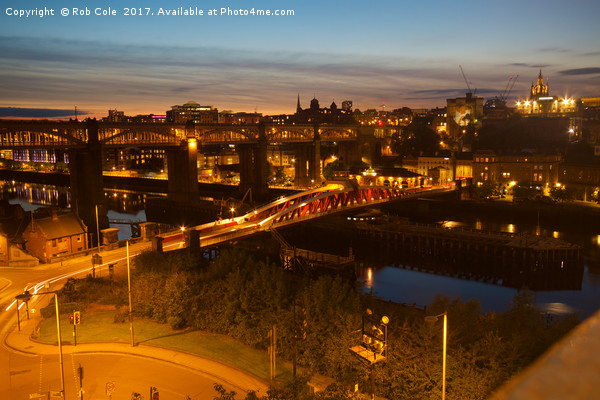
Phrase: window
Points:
(53, 242)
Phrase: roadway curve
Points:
(27, 368)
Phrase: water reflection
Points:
(36, 194)
(407, 282)
(124, 206)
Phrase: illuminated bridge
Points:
(70, 134)
(84, 142)
(302, 206)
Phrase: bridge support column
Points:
(301, 177)
(246, 166)
(182, 166)
(314, 163)
(87, 189)
(254, 168)
(261, 169)
(349, 152)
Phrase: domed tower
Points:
(539, 90)
(314, 104)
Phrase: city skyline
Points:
(395, 53)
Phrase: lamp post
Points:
(129, 293)
(25, 297)
(434, 318)
(97, 228)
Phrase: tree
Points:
(562, 194)
(524, 190)
(487, 190)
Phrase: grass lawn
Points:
(99, 326)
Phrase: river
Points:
(402, 285)
(405, 285)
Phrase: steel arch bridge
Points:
(73, 134)
(306, 205)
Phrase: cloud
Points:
(527, 65)
(561, 50)
(100, 75)
(16, 112)
(580, 71)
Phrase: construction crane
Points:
(500, 100)
(466, 81)
(508, 88)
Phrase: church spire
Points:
(298, 108)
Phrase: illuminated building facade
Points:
(55, 236)
(192, 111)
(146, 159)
(395, 177)
(241, 118)
(463, 116)
(539, 169)
(540, 103)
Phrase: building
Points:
(389, 176)
(192, 111)
(239, 118)
(12, 224)
(50, 237)
(463, 118)
(439, 168)
(347, 105)
(508, 169)
(115, 116)
(315, 113)
(541, 103)
(142, 159)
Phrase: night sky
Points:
(393, 52)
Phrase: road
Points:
(126, 374)
(28, 371)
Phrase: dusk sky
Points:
(398, 53)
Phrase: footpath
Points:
(22, 342)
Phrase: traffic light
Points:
(154, 393)
(71, 319)
(76, 317)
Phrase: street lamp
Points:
(232, 211)
(129, 293)
(25, 297)
(434, 318)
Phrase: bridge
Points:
(72, 134)
(183, 141)
(334, 197)
(84, 142)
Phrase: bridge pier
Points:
(254, 168)
(308, 161)
(182, 166)
(301, 165)
(349, 152)
(87, 189)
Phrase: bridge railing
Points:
(216, 233)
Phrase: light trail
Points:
(40, 285)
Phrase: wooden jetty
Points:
(536, 262)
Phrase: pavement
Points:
(22, 341)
